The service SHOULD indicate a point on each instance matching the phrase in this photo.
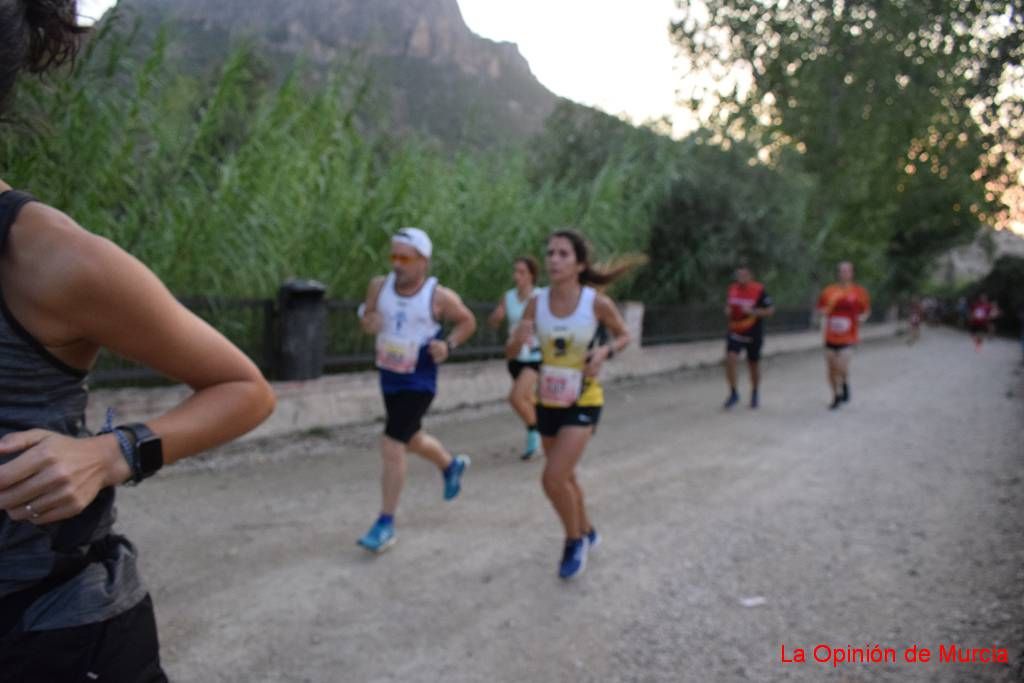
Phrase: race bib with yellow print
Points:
(397, 355)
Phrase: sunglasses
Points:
(402, 259)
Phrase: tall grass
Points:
(227, 185)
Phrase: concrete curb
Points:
(354, 398)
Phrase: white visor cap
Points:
(415, 238)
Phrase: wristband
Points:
(127, 447)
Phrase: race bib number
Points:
(397, 355)
(560, 387)
(838, 325)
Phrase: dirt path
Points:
(897, 520)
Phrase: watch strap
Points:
(126, 442)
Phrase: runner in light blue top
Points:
(525, 365)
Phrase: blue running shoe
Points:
(379, 538)
(734, 398)
(453, 476)
(532, 444)
(574, 559)
(593, 539)
(754, 402)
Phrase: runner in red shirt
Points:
(844, 305)
(979, 319)
(747, 304)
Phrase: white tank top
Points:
(407, 325)
(564, 344)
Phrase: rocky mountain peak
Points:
(432, 30)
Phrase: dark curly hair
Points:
(531, 265)
(35, 35)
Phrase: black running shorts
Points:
(735, 343)
(517, 366)
(405, 411)
(122, 648)
(550, 420)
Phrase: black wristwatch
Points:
(147, 452)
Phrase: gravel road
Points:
(897, 520)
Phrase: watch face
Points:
(151, 454)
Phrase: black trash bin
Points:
(302, 331)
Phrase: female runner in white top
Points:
(565, 317)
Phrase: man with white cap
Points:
(404, 309)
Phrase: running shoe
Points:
(593, 539)
(532, 444)
(734, 398)
(379, 538)
(754, 401)
(574, 558)
(453, 476)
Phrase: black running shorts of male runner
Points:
(550, 420)
(838, 347)
(517, 366)
(405, 411)
(735, 343)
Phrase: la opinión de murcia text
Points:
(823, 653)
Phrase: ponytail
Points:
(599, 275)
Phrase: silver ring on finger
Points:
(33, 513)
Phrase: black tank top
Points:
(37, 390)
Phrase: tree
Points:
(1004, 285)
(877, 98)
(719, 210)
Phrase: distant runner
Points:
(915, 318)
(747, 305)
(404, 310)
(845, 305)
(524, 363)
(979, 321)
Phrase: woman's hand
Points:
(55, 476)
(595, 361)
(523, 332)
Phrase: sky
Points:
(610, 54)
